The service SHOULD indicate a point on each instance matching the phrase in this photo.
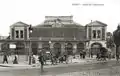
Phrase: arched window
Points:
(80, 46)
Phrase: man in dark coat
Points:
(15, 61)
(5, 59)
(117, 56)
(41, 60)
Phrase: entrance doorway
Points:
(80, 47)
(46, 47)
(69, 48)
(34, 48)
(20, 48)
(57, 48)
(95, 48)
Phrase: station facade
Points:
(58, 34)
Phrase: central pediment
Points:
(96, 23)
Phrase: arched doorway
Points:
(80, 47)
(95, 48)
(34, 48)
(46, 47)
(57, 48)
(69, 48)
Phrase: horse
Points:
(62, 59)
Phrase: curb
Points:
(5, 66)
(49, 66)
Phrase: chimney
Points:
(91, 21)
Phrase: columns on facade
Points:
(51, 46)
(74, 48)
(62, 47)
(27, 46)
(39, 45)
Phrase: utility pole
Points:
(30, 50)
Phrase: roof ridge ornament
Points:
(57, 23)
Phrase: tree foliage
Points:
(116, 36)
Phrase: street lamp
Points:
(30, 51)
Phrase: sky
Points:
(34, 12)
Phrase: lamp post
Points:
(30, 50)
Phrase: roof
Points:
(58, 27)
(96, 23)
(62, 25)
(62, 33)
(58, 21)
(19, 24)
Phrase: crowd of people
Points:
(42, 58)
(58, 58)
(5, 59)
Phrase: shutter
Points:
(89, 32)
(12, 33)
(103, 33)
(25, 33)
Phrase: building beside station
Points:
(59, 34)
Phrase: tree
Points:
(110, 41)
(116, 38)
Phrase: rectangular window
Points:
(21, 33)
(94, 33)
(17, 33)
(98, 33)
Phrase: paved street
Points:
(110, 68)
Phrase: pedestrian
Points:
(84, 54)
(109, 55)
(41, 60)
(45, 59)
(117, 56)
(66, 58)
(91, 54)
(33, 59)
(5, 59)
(55, 59)
(98, 56)
(52, 60)
(81, 54)
(15, 61)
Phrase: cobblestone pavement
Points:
(96, 69)
(93, 69)
(114, 71)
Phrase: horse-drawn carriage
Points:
(102, 54)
